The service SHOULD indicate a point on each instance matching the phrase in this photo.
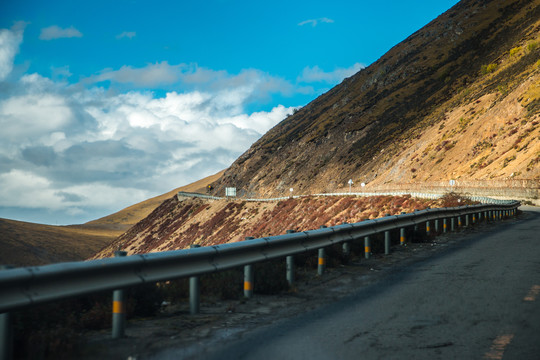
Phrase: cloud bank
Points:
(73, 152)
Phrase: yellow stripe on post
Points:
(248, 286)
(321, 261)
(118, 307)
(402, 239)
(367, 249)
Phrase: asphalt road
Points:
(480, 299)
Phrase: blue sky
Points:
(107, 103)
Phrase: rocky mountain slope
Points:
(458, 99)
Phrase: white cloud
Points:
(126, 34)
(56, 32)
(25, 189)
(10, 41)
(315, 22)
(192, 77)
(259, 121)
(32, 115)
(150, 75)
(316, 74)
(71, 149)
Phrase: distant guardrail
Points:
(481, 199)
(28, 286)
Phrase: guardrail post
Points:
(290, 269)
(402, 236)
(387, 242)
(453, 224)
(437, 226)
(346, 248)
(428, 228)
(322, 262)
(321, 258)
(444, 225)
(289, 264)
(119, 308)
(6, 337)
(194, 291)
(6, 330)
(248, 281)
(367, 247)
(459, 221)
(467, 220)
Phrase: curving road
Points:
(480, 299)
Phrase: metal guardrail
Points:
(28, 286)
(432, 196)
(22, 287)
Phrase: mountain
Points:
(458, 99)
(25, 244)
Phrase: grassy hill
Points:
(25, 244)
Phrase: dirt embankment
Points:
(177, 224)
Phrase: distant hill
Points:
(458, 99)
(25, 244)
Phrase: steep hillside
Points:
(24, 244)
(459, 99)
(181, 222)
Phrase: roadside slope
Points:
(179, 223)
